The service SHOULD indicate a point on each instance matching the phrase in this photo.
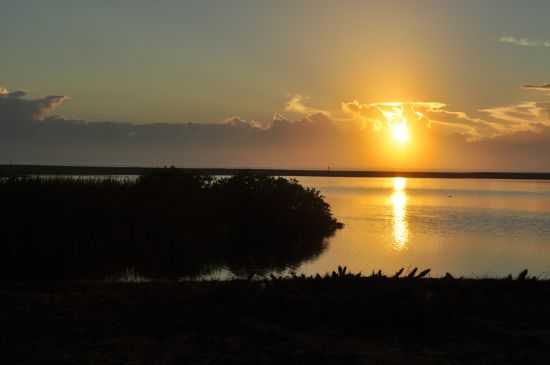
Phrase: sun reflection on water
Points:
(399, 219)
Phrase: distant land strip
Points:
(21, 170)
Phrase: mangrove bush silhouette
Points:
(165, 224)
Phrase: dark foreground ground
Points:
(342, 320)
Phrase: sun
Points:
(398, 125)
(400, 132)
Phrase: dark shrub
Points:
(165, 224)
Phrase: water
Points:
(468, 227)
(474, 228)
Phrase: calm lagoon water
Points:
(474, 228)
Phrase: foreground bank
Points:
(341, 319)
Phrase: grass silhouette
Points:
(341, 317)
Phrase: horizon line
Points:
(82, 170)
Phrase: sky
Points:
(260, 83)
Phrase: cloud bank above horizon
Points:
(513, 137)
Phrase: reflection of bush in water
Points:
(164, 224)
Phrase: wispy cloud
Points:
(524, 42)
(542, 87)
(526, 116)
(297, 104)
(530, 116)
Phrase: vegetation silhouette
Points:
(339, 318)
(164, 224)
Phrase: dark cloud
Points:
(313, 141)
(15, 106)
(15, 94)
(27, 135)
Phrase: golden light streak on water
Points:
(399, 218)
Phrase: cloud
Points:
(526, 116)
(494, 122)
(366, 113)
(239, 122)
(422, 114)
(15, 106)
(524, 42)
(542, 87)
(297, 104)
(313, 139)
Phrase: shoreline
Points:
(66, 170)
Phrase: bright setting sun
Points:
(400, 132)
(398, 125)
